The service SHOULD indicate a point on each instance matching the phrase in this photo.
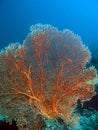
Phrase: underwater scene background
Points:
(38, 25)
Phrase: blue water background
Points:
(80, 16)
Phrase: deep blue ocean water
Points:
(80, 16)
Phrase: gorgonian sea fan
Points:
(45, 75)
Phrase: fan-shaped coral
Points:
(45, 75)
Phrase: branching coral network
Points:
(46, 75)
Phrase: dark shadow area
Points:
(6, 126)
(93, 103)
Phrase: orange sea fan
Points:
(46, 74)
